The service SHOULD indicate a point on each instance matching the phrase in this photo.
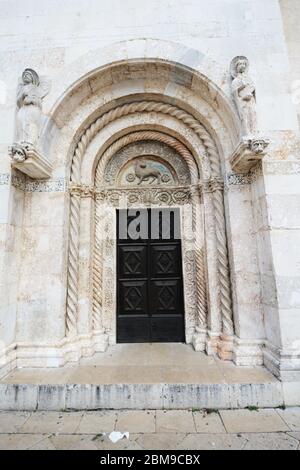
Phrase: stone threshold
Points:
(146, 376)
(141, 396)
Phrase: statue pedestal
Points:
(28, 160)
(248, 153)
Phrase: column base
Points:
(212, 341)
(247, 352)
(284, 363)
(199, 339)
(225, 347)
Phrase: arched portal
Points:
(205, 174)
(104, 113)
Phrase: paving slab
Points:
(160, 441)
(11, 421)
(212, 442)
(104, 443)
(73, 442)
(270, 441)
(208, 422)
(295, 435)
(96, 422)
(267, 420)
(178, 421)
(19, 441)
(136, 421)
(52, 422)
(44, 444)
(291, 417)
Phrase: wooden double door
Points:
(149, 276)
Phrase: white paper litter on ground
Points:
(115, 436)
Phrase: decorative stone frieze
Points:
(169, 196)
(248, 153)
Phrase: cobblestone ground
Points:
(176, 429)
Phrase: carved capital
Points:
(248, 153)
(212, 185)
(82, 190)
(27, 159)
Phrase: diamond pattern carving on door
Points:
(164, 262)
(133, 298)
(166, 298)
(132, 263)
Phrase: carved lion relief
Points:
(133, 165)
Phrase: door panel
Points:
(150, 291)
(133, 261)
(165, 260)
(133, 297)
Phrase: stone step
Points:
(140, 396)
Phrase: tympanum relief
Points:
(145, 171)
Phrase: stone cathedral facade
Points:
(184, 108)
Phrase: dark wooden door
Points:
(149, 276)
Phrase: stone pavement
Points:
(150, 429)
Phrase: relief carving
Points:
(144, 171)
(25, 153)
(243, 92)
(31, 91)
(120, 169)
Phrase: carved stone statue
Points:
(143, 172)
(243, 92)
(31, 90)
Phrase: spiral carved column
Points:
(72, 292)
(199, 338)
(97, 271)
(226, 340)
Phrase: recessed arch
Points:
(163, 89)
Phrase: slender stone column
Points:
(199, 338)
(225, 345)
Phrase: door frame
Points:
(108, 216)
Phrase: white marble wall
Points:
(262, 216)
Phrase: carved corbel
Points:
(26, 158)
(248, 153)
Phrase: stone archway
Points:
(212, 187)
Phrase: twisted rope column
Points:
(97, 271)
(199, 258)
(222, 252)
(71, 320)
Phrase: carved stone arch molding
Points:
(212, 188)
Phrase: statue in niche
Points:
(243, 91)
(143, 172)
(31, 90)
